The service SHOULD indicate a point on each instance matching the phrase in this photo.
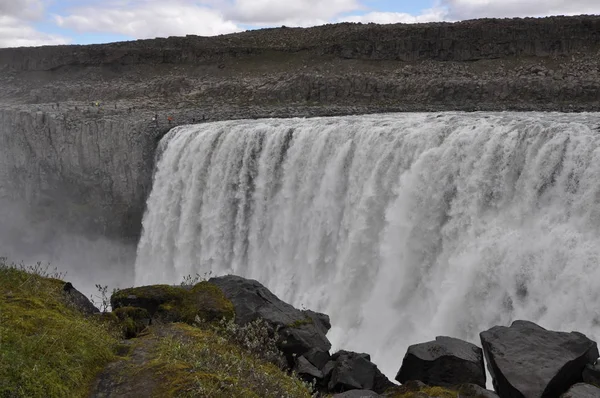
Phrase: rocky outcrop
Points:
(91, 166)
(528, 361)
(300, 331)
(444, 362)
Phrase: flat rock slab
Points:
(528, 361)
(582, 390)
(444, 362)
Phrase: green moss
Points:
(198, 363)
(47, 348)
(301, 322)
(211, 302)
(176, 304)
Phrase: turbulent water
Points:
(401, 227)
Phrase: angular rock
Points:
(355, 371)
(582, 390)
(81, 302)
(444, 362)
(591, 374)
(357, 394)
(526, 360)
(306, 370)
(299, 331)
(317, 357)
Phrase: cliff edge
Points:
(77, 123)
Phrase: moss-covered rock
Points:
(177, 304)
(132, 320)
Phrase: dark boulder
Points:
(591, 374)
(317, 357)
(444, 362)
(526, 360)
(582, 390)
(354, 371)
(357, 394)
(79, 300)
(306, 370)
(299, 331)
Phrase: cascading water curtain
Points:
(401, 227)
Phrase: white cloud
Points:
(16, 24)
(277, 12)
(468, 9)
(430, 15)
(148, 19)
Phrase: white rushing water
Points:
(401, 227)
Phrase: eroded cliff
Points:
(77, 135)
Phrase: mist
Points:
(84, 259)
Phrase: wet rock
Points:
(444, 362)
(79, 300)
(582, 390)
(526, 360)
(591, 374)
(355, 371)
(299, 331)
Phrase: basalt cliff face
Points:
(77, 136)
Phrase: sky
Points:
(45, 22)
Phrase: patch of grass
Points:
(301, 322)
(197, 362)
(47, 348)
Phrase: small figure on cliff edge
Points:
(170, 119)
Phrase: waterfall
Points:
(401, 227)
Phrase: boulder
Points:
(357, 394)
(299, 331)
(582, 390)
(317, 357)
(526, 360)
(444, 362)
(306, 370)
(165, 303)
(355, 371)
(591, 374)
(79, 300)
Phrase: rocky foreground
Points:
(78, 139)
(231, 337)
